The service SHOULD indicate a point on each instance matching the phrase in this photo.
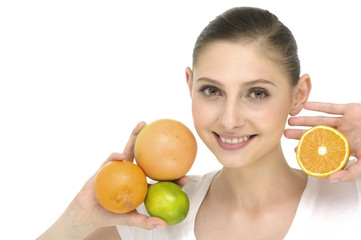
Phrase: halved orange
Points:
(322, 150)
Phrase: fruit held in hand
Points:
(165, 149)
(168, 201)
(322, 150)
(120, 186)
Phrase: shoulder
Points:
(340, 200)
(321, 187)
(197, 187)
(199, 181)
(328, 210)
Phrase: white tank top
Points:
(325, 211)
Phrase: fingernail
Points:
(159, 226)
(335, 180)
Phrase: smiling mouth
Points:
(234, 140)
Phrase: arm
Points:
(104, 233)
(84, 215)
(72, 224)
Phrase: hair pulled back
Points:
(258, 26)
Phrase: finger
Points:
(336, 177)
(311, 121)
(348, 174)
(139, 220)
(114, 156)
(330, 108)
(294, 133)
(129, 147)
(182, 181)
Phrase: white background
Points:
(76, 77)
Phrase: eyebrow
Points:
(245, 84)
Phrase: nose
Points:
(232, 115)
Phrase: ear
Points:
(189, 78)
(301, 94)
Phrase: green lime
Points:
(167, 201)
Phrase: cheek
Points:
(200, 113)
(272, 116)
(203, 113)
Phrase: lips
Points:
(233, 143)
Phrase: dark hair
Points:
(254, 25)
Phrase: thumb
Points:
(129, 148)
(139, 220)
(337, 176)
(350, 173)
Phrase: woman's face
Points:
(240, 103)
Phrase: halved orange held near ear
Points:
(322, 150)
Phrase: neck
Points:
(262, 182)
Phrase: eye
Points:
(210, 91)
(258, 93)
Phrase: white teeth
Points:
(234, 140)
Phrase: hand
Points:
(86, 202)
(347, 120)
(84, 214)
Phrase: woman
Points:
(244, 83)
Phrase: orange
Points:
(322, 150)
(168, 201)
(120, 186)
(165, 149)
